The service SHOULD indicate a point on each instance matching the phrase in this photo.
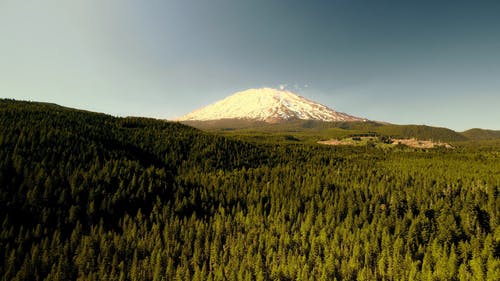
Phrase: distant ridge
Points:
(327, 130)
(481, 134)
(267, 105)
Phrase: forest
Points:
(88, 196)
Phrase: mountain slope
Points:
(314, 130)
(481, 134)
(88, 196)
(269, 105)
(421, 132)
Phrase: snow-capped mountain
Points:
(269, 105)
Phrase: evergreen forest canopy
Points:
(87, 196)
(314, 130)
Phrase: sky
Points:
(405, 62)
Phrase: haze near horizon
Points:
(420, 62)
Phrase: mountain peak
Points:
(269, 105)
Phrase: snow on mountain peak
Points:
(269, 105)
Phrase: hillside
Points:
(87, 196)
(481, 134)
(316, 130)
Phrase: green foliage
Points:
(311, 130)
(481, 134)
(92, 197)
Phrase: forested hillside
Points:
(92, 197)
(312, 130)
(481, 134)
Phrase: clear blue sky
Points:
(420, 62)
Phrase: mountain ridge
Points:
(481, 134)
(324, 130)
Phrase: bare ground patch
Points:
(408, 142)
